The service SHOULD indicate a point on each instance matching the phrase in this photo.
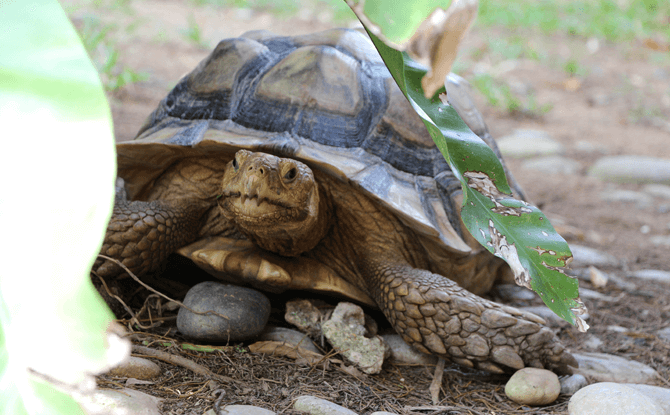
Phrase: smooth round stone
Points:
(632, 169)
(573, 383)
(657, 190)
(529, 143)
(247, 313)
(317, 406)
(584, 256)
(289, 336)
(612, 399)
(604, 367)
(532, 386)
(641, 200)
(138, 368)
(401, 352)
(242, 410)
(656, 393)
(652, 275)
(122, 401)
(552, 165)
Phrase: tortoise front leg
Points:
(141, 235)
(437, 316)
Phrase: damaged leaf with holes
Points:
(511, 229)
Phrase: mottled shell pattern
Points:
(325, 99)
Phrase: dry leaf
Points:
(282, 349)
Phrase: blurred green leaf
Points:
(58, 167)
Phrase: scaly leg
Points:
(141, 235)
(437, 316)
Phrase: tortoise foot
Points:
(437, 316)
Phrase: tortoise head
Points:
(274, 201)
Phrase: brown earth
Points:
(620, 102)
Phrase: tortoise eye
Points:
(291, 174)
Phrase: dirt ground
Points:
(620, 104)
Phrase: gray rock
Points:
(632, 169)
(242, 410)
(641, 200)
(345, 331)
(247, 312)
(119, 402)
(289, 336)
(604, 367)
(660, 240)
(584, 256)
(659, 395)
(532, 386)
(305, 316)
(401, 352)
(138, 368)
(664, 334)
(317, 406)
(657, 190)
(594, 295)
(573, 383)
(592, 342)
(612, 399)
(652, 275)
(513, 292)
(552, 165)
(529, 143)
(588, 147)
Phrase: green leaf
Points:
(509, 228)
(58, 169)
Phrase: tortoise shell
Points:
(326, 99)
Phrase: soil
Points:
(620, 102)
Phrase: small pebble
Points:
(241, 410)
(664, 334)
(138, 368)
(305, 316)
(657, 190)
(585, 256)
(317, 406)
(632, 169)
(660, 240)
(597, 277)
(592, 342)
(345, 331)
(532, 386)
(288, 336)
(641, 200)
(612, 399)
(652, 275)
(401, 352)
(247, 312)
(604, 367)
(573, 383)
(529, 143)
(552, 165)
(121, 401)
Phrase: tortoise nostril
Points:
(261, 170)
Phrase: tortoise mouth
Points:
(252, 208)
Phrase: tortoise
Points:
(297, 163)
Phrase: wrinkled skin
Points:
(284, 207)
